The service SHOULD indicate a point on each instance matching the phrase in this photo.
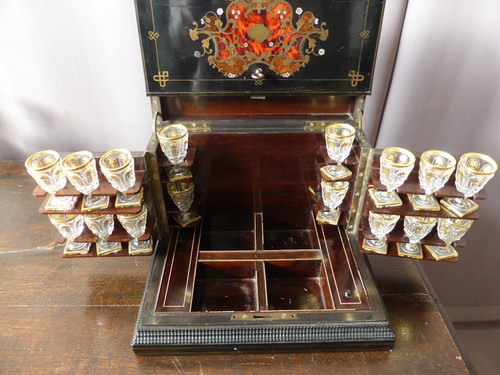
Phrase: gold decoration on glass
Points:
(135, 225)
(70, 226)
(182, 194)
(441, 252)
(452, 230)
(45, 168)
(333, 194)
(435, 169)
(80, 169)
(118, 168)
(102, 226)
(417, 227)
(174, 142)
(338, 138)
(380, 226)
(396, 163)
(474, 170)
(410, 250)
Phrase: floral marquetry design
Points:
(259, 31)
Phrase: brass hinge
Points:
(198, 127)
(263, 316)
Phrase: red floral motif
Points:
(259, 31)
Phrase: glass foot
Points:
(178, 173)
(424, 202)
(93, 202)
(105, 248)
(442, 252)
(459, 206)
(76, 248)
(410, 250)
(133, 200)
(328, 217)
(335, 172)
(186, 218)
(61, 203)
(140, 247)
(376, 246)
(384, 198)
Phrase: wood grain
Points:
(75, 316)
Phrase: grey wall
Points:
(71, 78)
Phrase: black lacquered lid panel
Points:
(259, 46)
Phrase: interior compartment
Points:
(225, 286)
(297, 285)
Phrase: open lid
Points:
(259, 46)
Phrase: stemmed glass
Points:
(182, 194)
(452, 230)
(333, 194)
(135, 225)
(70, 226)
(80, 169)
(118, 168)
(435, 169)
(416, 228)
(174, 143)
(380, 226)
(474, 170)
(396, 163)
(102, 226)
(339, 138)
(45, 168)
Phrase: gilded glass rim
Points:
(482, 156)
(401, 150)
(75, 154)
(107, 154)
(48, 152)
(441, 153)
(172, 126)
(338, 125)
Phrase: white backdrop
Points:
(71, 78)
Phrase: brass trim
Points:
(263, 316)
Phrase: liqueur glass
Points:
(339, 138)
(135, 225)
(435, 169)
(102, 226)
(395, 165)
(417, 227)
(80, 170)
(174, 142)
(452, 230)
(474, 170)
(118, 167)
(45, 168)
(382, 224)
(333, 193)
(70, 226)
(182, 194)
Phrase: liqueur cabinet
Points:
(256, 82)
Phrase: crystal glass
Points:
(182, 194)
(435, 169)
(174, 142)
(381, 224)
(70, 226)
(417, 227)
(118, 167)
(395, 165)
(339, 138)
(134, 224)
(80, 170)
(101, 225)
(473, 172)
(45, 168)
(333, 193)
(451, 230)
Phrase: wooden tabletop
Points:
(77, 315)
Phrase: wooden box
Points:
(256, 82)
